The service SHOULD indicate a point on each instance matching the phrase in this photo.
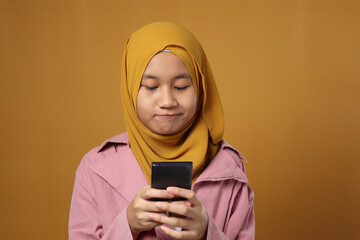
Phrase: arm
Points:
(85, 223)
(241, 224)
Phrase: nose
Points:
(167, 99)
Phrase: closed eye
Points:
(181, 88)
(151, 88)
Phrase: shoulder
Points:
(227, 164)
(111, 164)
(117, 145)
(236, 156)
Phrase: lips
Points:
(168, 116)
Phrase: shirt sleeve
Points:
(84, 220)
(241, 224)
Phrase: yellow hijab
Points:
(199, 141)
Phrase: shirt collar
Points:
(227, 164)
(119, 139)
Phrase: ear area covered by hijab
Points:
(199, 140)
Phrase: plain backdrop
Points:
(288, 75)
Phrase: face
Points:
(166, 100)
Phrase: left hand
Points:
(191, 216)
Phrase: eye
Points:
(181, 88)
(150, 88)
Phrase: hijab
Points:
(199, 140)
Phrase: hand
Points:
(138, 210)
(193, 218)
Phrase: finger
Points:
(146, 206)
(185, 203)
(185, 193)
(177, 234)
(178, 209)
(145, 219)
(144, 222)
(149, 193)
(181, 209)
(172, 221)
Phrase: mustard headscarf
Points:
(199, 141)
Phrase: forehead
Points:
(165, 63)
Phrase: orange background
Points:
(287, 71)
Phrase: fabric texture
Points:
(199, 140)
(105, 184)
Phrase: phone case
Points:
(176, 174)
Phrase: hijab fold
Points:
(198, 141)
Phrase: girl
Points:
(172, 113)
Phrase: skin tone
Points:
(166, 102)
(166, 99)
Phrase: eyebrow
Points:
(149, 76)
(182, 75)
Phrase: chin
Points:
(165, 131)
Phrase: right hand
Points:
(138, 210)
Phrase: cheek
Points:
(143, 114)
(141, 105)
(191, 103)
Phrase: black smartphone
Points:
(174, 174)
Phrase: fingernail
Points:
(171, 195)
(170, 189)
(151, 215)
(188, 204)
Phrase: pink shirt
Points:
(109, 176)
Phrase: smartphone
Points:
(174, 174)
